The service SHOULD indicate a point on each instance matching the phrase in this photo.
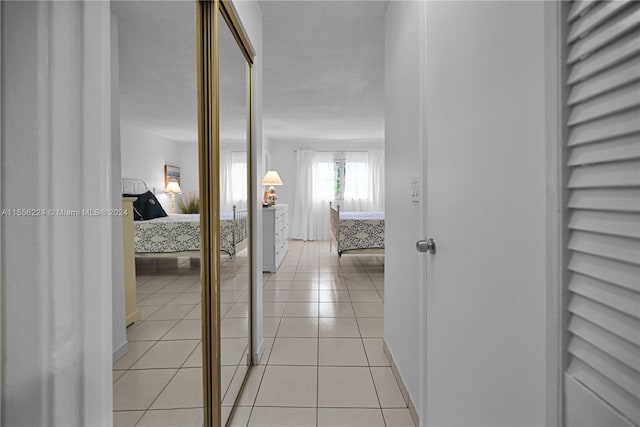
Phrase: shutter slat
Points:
(622, 200)
(625, 148)
(621, 50)
(617, 273)
(616, 224)
(619, 174)
(616, 77)
(595, 18)
(599, 38)
(620, 374)
(603, 387)
(615, 347)
(579, 8)
(616, 248)
(621, 299)
(606, 128)
(621, 325)
(615, 101)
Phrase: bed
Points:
(356, 232)
(179, 234)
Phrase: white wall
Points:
(402, 282)
(250, 15)
(189, 169)
(283, 160)
(56, 283)
(119, 331)
(144, 155)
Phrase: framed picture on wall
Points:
(171, 173)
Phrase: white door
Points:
(485, 208)
(602, 142)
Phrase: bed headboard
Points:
(134, 186)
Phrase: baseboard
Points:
(403, 388)
(257, 355)
(120, 351)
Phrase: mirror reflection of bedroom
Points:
(159, 376)
(158, 371)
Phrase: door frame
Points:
(422, 208)
(556, 213)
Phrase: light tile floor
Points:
(158, 382)
(323, 363)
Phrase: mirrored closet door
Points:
(225, 58)
(235, 267)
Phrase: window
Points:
(350, 179)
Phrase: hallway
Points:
(323, 363)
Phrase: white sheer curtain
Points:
(364, 181)
(314, 189)
(233, 180)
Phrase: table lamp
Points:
(271, 178)
(174, 188)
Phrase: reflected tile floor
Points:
(158, 382)
(323, 363)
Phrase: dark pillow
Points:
(147, 207)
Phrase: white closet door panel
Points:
(603, 227)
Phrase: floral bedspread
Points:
(361, 230)
(181, 233)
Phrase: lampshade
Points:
(173, 187)
(271, 178)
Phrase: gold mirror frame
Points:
(207, 26)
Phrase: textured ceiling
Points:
(157, 55)
(323, 70)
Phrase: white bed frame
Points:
(334, 227)
(237, 215)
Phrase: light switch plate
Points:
(415, 190)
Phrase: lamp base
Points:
(271, 197)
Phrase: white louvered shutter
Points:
(602, 371)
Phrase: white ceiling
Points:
(323, 70)
(157, 55)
